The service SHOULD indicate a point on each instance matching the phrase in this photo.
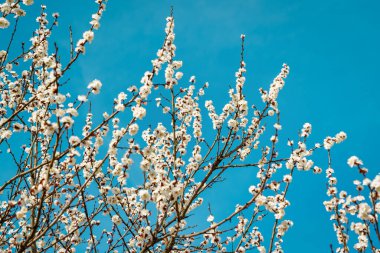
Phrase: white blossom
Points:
(144, 195)
(4, 23)
(88, 35)
(95, 86)
(28, 2)
(133, 129)
(354, 160)
(74, 140)
(139, 112)
(116, 219)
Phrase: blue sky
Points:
(330, 45)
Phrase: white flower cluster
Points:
(88, 35)
(14, 8)
(299, 159)
(345, 207)
(330, 141)
(277, 84)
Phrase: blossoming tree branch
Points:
(70, 188)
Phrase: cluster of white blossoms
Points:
(88, 35)
(12, 8)
(330, 141)
(277, 84)
(355, 213)
(107, 182)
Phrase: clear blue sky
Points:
(332, 47)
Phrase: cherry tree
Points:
(70, 188)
